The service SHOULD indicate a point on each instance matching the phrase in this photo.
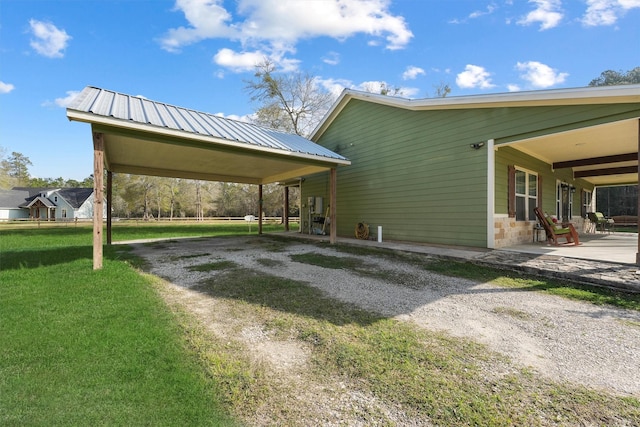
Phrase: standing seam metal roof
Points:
(108, 103)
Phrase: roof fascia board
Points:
(109, 124)
(574, 96)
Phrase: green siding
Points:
(538, 121)
(415, 174)
(400, 176)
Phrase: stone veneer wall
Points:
(509, 232)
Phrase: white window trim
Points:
(526, 195)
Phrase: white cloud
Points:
(380, 86)
(6, 87)
(513, 88)
(275, 26)
(478, 13)
(539, 75)
(332, 58)
(64, 102)
(474, 15)
(412, 72)
(207, 19)
(244, 61)
(547, 13)
(49, 41)
(291, 20)
(336, 86)
(247, 118)
(247, 61)
(372, 86)
(607, 12)
(474, 76)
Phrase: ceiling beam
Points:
(596, 161)
(607, 171)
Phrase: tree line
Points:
(139, 196)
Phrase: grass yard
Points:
(84, 347)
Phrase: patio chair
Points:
(554, 231)
(599, 221)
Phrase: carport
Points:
(142, 137)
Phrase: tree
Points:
(610, 78)
(16, 168)
(289, 102)
(442, 90)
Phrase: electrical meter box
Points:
(318, 205)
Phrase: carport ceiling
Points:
(144, 137)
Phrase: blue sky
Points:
(199, 53)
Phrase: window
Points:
(526, 186)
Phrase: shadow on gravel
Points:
(284, 295)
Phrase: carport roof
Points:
(152, 138)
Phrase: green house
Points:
(469, 171)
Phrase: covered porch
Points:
(590, 140)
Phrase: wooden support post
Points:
(98, 197)
(260, 209)
(285, 209)
(109, 201)
(333, 229)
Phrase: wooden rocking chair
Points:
(553, 230)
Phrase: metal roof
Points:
(145, 137)
(134, 109)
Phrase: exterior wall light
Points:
(477, 145)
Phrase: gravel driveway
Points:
(562, 339)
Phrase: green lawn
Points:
(84, 347)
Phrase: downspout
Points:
(491, 194)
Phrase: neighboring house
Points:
(54, 204)
(469, 170)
